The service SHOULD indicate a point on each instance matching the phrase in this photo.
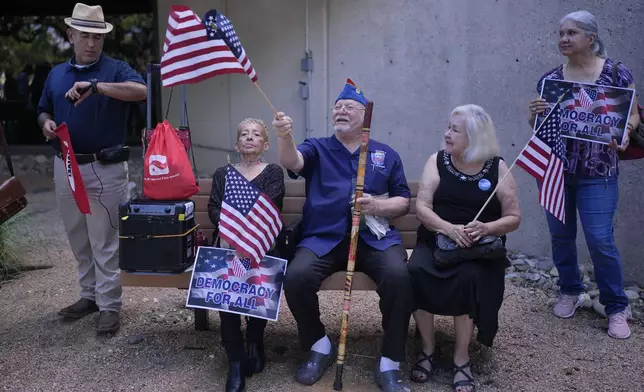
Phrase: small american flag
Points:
(194, 50)
(543, 159)
(587, 97)
(241, 266)
(249, 220)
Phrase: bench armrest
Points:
(288, 239)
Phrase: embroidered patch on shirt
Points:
(378, 159)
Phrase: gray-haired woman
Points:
(252, 142)
(591, 171)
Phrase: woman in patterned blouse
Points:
(591, 171)
(252, 141)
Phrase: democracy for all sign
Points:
(222, 281)
(589, 111)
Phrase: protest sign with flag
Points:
(72, 170)
(590, 112)
(543, 158)
(195, 50)
(249, 220)
(216, 283)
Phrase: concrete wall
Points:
(416, 60)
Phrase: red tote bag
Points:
(168, 174)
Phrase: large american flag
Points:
(543, 158)
(194, 50)
(249, 220)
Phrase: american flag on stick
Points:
(249, 220)
(195, 50)
(543, 158)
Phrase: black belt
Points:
(81, 159)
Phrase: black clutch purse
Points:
(448, 254)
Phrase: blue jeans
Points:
(596, 200)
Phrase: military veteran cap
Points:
(351, 91)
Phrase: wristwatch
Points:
(94, 83)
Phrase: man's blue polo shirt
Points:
(330, 170)
(99, 121)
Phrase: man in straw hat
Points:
(92, 93)
(329, 166)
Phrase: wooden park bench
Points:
(291, 212)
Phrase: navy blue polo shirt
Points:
(99, 121)
(330, 170)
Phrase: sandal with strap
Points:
(463, 383)
(418, 367)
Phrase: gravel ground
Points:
(157, 348)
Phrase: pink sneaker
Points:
(567, 304)
(618, 325)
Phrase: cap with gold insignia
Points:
(351, 91)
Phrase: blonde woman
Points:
(455, 184)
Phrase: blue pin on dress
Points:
(485, 184)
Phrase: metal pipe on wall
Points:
(325, 65)
(309, 72)
(306, 65)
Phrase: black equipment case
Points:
(157, 236)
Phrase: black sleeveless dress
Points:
(473, 288)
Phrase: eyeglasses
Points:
(348, 109)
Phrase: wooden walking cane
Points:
(355, 226)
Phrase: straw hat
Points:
(88, 18)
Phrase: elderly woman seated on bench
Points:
(252, 141)
(455, 185)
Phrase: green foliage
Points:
(9, 247)
(34, 40)
(26, 40)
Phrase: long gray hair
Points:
(586, 21)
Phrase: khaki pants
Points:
(94, 238)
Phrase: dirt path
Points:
(158, 349)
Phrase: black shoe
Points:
(311, 370)
(391, 380)
(80, 309)
(256, 358)
(108, 322)
(236, 381)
